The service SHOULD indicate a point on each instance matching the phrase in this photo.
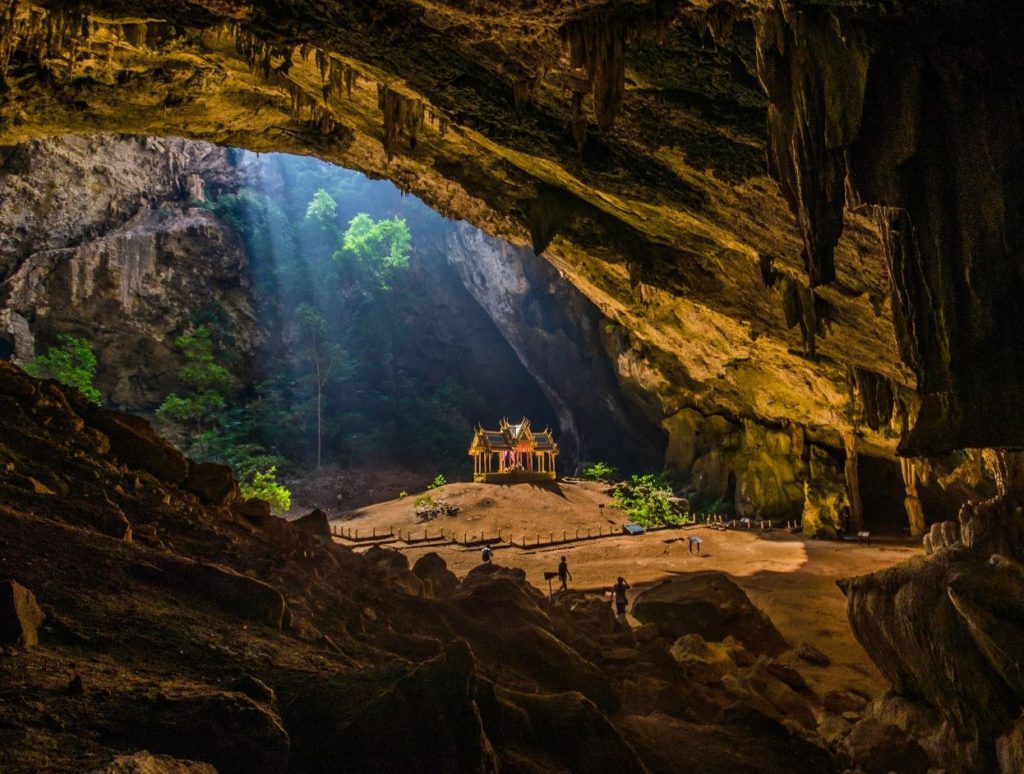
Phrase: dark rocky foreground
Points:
(206, 630)
(148, 611)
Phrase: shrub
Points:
(600, 471)
(402, 495)
(264, 486)
(646, 500)
(439, 481)
(428, 509)
(71, 362)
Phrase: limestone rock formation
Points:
(103, 240)
(944, 629)
(253, 645)
(20, 615)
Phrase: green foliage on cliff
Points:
(71, 362)
(206, 385)
(342, 379)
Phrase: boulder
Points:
(395, 567)
(147, 763)
(226, 729)
(254, 509)
(438, 581)
(424, 721)
(716, 658)
(212, 483)
(942, 628)
(136, 444)
(314, 523)
(228, 590)
(878, 748)
(569, 728)
(711, 605)
(759, 686)
(812, 655)
(1010, 749)
(20, 615)
(841, 702)
(254, 688)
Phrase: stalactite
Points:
(814, 77)
(802, 306)
(403, 117)
(49, 36)
(596, 46)
(579, 121)
(876, 396)
(436, 119)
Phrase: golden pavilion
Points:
(513, 454)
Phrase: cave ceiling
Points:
(627, 141)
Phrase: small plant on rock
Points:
(600, 471)
(438, 482)
(264, 486)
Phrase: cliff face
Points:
(101, 240)
(563, 340)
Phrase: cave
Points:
(264, 268)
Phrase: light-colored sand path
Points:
(790, 578)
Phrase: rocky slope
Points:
(209, 631)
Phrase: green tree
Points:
(380, 247)
(322, 209)
(322, 357)
(71, 362)
(207, 383)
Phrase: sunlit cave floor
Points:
(791, 578)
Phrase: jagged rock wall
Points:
(918, 113)
(100, 240)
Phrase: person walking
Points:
(564, 575)
(619, 594)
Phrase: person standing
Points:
(563, 574)
(619, 594)
(485, 555)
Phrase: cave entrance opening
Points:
(324, 326)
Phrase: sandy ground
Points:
(790, 578)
